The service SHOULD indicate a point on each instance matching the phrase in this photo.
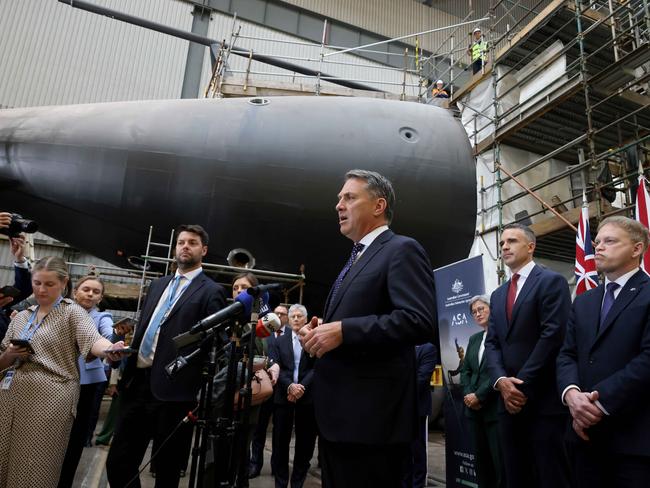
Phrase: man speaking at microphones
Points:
(152, 402)
(380, 306)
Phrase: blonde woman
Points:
(40, 378)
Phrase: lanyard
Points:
(26, 333)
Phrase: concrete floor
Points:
(92, 474)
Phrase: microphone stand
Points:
(227, 433)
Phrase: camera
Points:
(19, 225)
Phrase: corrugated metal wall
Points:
(53, 54)
(46, 246)
(368, 72)
(390, 18)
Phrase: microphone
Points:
(267, 325)
(241, 306)
(256, 290)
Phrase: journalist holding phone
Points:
(39, 389)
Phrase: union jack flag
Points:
(642, 213)
(586, 275)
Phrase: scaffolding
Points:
(220, 273)
(570, 89)
(411, 82)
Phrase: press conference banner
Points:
(456, 284)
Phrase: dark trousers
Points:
(485, 440)
(100, 389)
(595, 467)
(284, 417)
(259, 436)
(477, 66)
(533, 450)
(184, 448)
(141, 419)
(415, 471)
(78, 434)
(345, 465)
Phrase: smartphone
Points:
(10, 291)
(124, 350)
(22, 343)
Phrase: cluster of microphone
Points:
(241, 309)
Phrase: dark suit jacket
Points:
(613, 359)
(426, 357)
(281, 351)
(475, 378)
(528, 346)
(203, 297)
(23, 281)
(364, 390)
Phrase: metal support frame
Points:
(579, 72)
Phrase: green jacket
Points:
(475, 379)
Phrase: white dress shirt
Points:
(523, 276)
(186, 280)
(370, 237)
(481, 348)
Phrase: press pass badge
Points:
(6, 381)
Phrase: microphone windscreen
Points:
(247, 301)
(261, 330)
(271, 322)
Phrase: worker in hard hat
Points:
(477, 50)
(439, 91)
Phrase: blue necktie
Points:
(608, 301)
(147, 342)
(297, 350)
(356, 249)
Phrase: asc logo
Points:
(457, 286)
(459, 319)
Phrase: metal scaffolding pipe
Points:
(350, 49)
(189, 36)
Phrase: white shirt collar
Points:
(622, 280)
(525, 271)
(372, 235)
(191, 275)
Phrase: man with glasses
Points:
(293, 403)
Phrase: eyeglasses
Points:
(478, 310)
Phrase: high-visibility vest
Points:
(479, 50)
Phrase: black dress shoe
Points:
(254, 471)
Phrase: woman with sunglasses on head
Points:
(39, 385)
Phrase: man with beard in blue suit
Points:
(528, 316)
(603, 368)
(381, 305)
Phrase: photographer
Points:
(22, 275)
